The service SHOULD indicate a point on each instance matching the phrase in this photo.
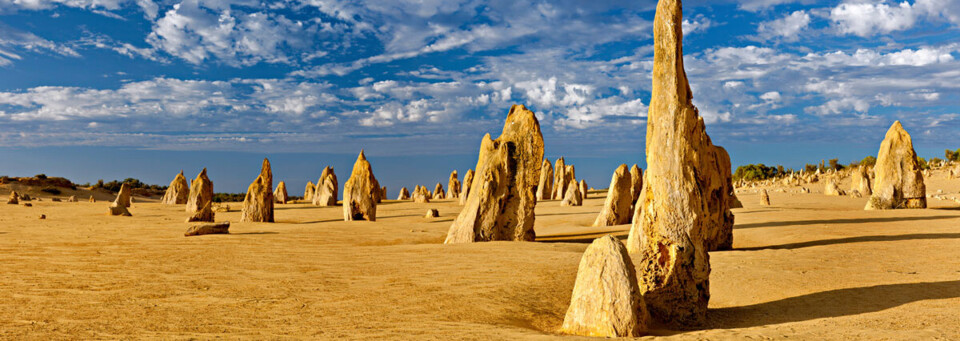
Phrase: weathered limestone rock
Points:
(120, 204)
(308, 192)
(280, 194)
(832, 189)
(573, 197)
(438, 191)
(636, 176)
(92, 199)
(432, 213)
(606, 300)
(545, 186)
(502, 198)
(14, 198)
(72, 198)
(258, 204)
(328, 188)
(453, 186)
(123, 196)
(560, 179)
(25, 197)
(360, 192)
(898, 179)
(201, 192)
(616, 208)
(683, 208)
(204, 214)
(178, 191)
(404, 194)
(583, 189)
(467, 180)
(765, 197)
(202, 229)
(27, 204)
(421, 195)
(861, 181)
(383, 193)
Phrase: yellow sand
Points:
(808, 267)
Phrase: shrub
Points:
(228, 197)
(869, 161)
(51, 190)
(754, 172)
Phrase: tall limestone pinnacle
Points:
(898, 181)
(501, 200)
(258, 204)
(361, 192)
(683, 209)
(178, 191)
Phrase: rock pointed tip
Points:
(362, 156)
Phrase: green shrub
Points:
(51, 190)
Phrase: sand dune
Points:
(808, 267)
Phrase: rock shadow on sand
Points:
(841, 221)
(832, 303)
(860, 239)
(582, 238)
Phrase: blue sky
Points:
(179, 84)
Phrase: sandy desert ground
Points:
(808, 267)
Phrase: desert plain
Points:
(809, 266)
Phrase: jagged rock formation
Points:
(898, 179)
(361, 192)
(258, 204)
(583, 189)
(765, 197)
(280, 194)
(438, 191)
(573, 197)
(545, 186)
(502, 198)
(606, 301)
(432, 213)
(421, 195)
(120, 204)
(201, 192)
(636, 176)
(560, 179)
(860, 181)
(72, 198)
(383, 193)
(832, 189)
(467, 180)
(92, 199)
(327, 189)
(683, 208)
(204, 214)
(453, 186)
(308, 192)
(616, 208)
(178, 191)
(124, 196)
(14, 198)
(404, 194)
(202, 229)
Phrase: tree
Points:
(835, 164)
(952, 155)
